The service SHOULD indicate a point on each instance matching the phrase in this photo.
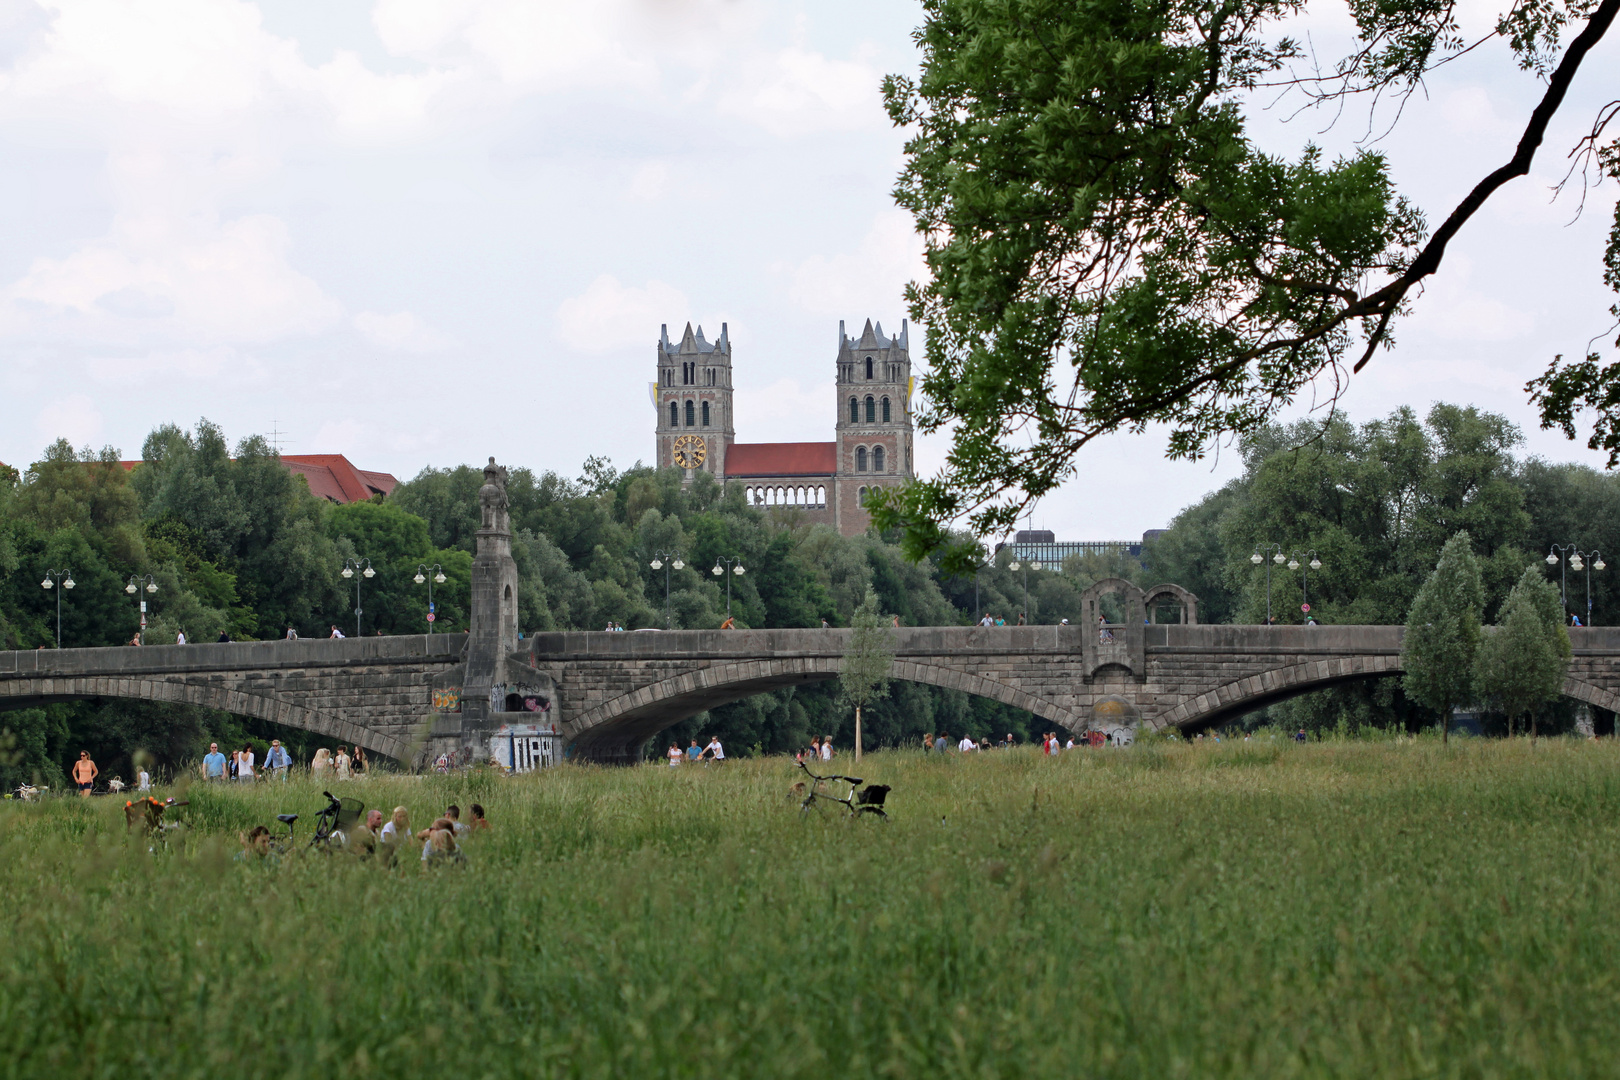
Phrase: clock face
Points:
(690, 452)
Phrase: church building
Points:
(824, 481)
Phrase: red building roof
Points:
(332, 476)
(782, 459)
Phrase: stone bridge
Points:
(609, 692)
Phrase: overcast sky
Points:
(421, 232)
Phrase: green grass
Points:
(1352, 910)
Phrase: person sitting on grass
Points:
(452, 813)
(439, 843)
(363, 840)
(479, 822)
(255, 844)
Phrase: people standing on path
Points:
(674, 755)
(85, 773)
(213, 763)
(278, 760)
(244, 763)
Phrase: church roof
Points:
(782, 459)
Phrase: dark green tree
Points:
(1522, 661)
(1443, 632)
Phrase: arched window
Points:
(854, 411)
(871, 410)
(885, 410)
(869, 369)
(861, 496)
(706, 412)
(877, 459)
(821, 496)
(860, 459)
(674, 415)
(690, 414)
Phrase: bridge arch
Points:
(614, 730)
(1252, 692)
(1172, 594)
(25, 693)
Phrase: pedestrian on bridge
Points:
(336, 633)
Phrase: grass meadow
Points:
(1354, 910)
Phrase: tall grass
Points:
(1337, 909)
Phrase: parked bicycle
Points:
(856, 800)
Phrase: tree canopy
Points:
(1109, 248)
(1441, 643)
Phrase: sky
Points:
(424, 232)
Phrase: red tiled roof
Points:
(331, 476)
(782, 459)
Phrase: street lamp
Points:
(1257, 558)
(666, 561)
(720, 567)
(1015, 566)
(134, 587)
(429, 574)
(1576, 561)
(66, 578)
(1304, 580)
(349, 567)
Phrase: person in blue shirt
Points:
(694, 751)
(214, 763)
(278, 759)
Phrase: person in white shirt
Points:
(143, 780)
(987, 620)
(967, 744)
(336, 633)
(180, 637)
(675, 754)
(1070, 744)
(398, 827)
(715, 751)
(826, 748)
(244, 764)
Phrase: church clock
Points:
(690, 451)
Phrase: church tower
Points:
(874, 419)
(693, 396)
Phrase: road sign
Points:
(1305, 608)
(432, 607)
(430, 616)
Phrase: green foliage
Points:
(870, 656)
(1442, 636)
(657, 922)
(1523, 661)
(1108, 247)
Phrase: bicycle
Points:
(856, 800)
(333, 822)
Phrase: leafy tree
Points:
(868, 660)
(1443, 633)
(1521, 663)
(1109, 247)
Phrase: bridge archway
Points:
(1256, 691)
(616, 729)
(27, 693)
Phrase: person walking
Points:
(694, 752)
(967, 744)
(292, 635)
(715, 751)
(223, 638)
(244, 763)
(143, 779)
(674, 755)
(942, 742)
(213, 763)
(85, 773)
(179, 637)
(826, 748)
(278, 760)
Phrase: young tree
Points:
(867, 661)
(1522, 664)
(1109, 246)
(1443, 632)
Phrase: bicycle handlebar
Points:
(834, 776)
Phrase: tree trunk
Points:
(857, 734)
(1533, 727)
(1445, 725)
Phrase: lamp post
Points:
(1016, 566)
(349, 568)
(134, 587)
(1304, 580)
(1257, 558)
(721, 565)
(1575, 560)
(429, 574)
(665, 561)
(66, 578)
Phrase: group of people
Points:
(378, 839)
(243, 765)
(693, 754)
(821, 749)
(1051, 743)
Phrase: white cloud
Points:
(786, 411)
(400, 332)
(159, 278)
(74, 418)
(650, 181)
(796, 90)
(873, 277)
(189, 365)
(609, 316)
